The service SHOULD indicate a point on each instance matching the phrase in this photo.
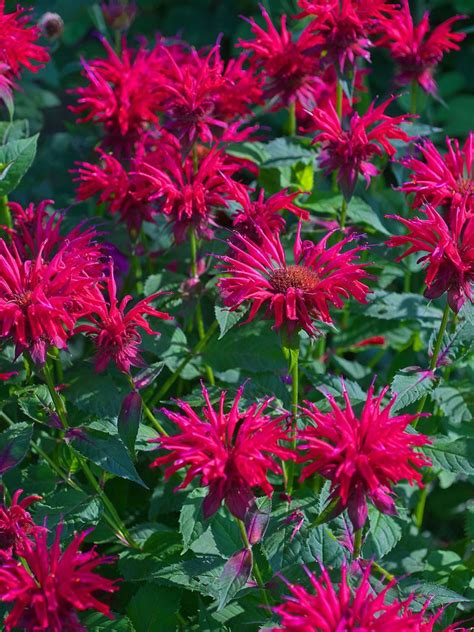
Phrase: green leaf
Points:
(385, 532)
(14, 130)
(400, 307)
(16, 157)
(453, 456)
(191, 519)
(100, 397)
(235, 575)
(451, 402)
(154, 608)
(73, 508)
(14, 446)
(97, 622)
(36, 402)
(129, 420)
(410, 387)
(227, 319)
(324, 547)
(109, 453)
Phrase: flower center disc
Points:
(297, 277)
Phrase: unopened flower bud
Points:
(119, 14)
(51, 25)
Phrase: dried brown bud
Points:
(51, 25)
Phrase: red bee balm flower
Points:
(290, 67)
(16, 524)
(416, 51)
(343, 28)
(362, 457)
(230, 453)
(349, 149)
(17, 42)
(40, 300)
(122, 94)
(450, 247)
(331, 607)
(115, 331)
(295, 295)
(265, 213)
(52, 586)
(121, 189)
(187, 193)
(442, 180)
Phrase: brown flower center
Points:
(297, 277)
(466, 185)
(22, 299)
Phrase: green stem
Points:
(292, 119)
(151, 417)
(407, 281)
(413, 97)
(255, 568)
(199, 316)
(344, 205)
(420, 507)
(339, 94)
(381, 570)
(5, 214)
(174, 376)
(293, 354)
(357, 543)
(434, 357)
(115, 519)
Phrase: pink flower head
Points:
(350, 148)
(290, 66)
(231, 453)
(201, 97)
(16, 524)
(6, 84)
(296, 294)
(343, 31)
(361, 456)
(41, 299)
(122, 93)
(187, 193)
(331, 607)
(449, 244)
(35, 230)
(414, 49)
(265, 213)
(115, 331)
(442, 179)
(17, 42)
(53, 586)
(121, 189)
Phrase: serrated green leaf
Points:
(410, 387)
(234, 576)
(14, 446)
(452, 403)
(191, 521)
(385, 532)
(19, 155)
(453, 456)
(227, 319)
(108, 453)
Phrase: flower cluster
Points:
(361, 456)
(229, 452)
(449, 244)
(295, 294)
(49, 587)
(18, 47)
(332, 606)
